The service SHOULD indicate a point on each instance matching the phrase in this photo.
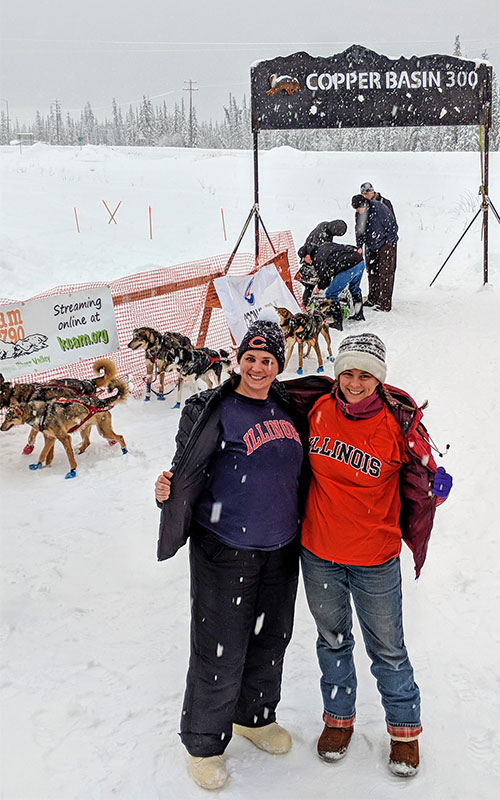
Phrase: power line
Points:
(253, 44)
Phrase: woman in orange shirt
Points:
(374, 482)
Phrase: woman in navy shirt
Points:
(234, 487)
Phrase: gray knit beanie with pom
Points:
(366, 352)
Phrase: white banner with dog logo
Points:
(48, 332)
(243, 298)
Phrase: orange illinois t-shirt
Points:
(353, 506)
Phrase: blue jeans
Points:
(350, 277)
(376, 592)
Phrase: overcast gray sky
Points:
(99, 49)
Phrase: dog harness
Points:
(63, 384)
(213, 359)
(91, 409)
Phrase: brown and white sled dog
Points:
(155, 346)
(304, 328)
(57, 419)
(14, 393)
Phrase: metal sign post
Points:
(359, 88)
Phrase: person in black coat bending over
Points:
(234, 488)
(377, 231)
(331, 266)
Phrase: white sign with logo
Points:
(38, 335)
(243, 298)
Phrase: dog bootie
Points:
(404, 758)
(209, 772)
(333, 743)
(272, 738)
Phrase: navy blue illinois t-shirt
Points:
(251, 498)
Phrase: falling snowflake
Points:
(259, 623)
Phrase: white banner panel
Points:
(242, 298)
(37, 335)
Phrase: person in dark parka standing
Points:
(234, 488)
(367, 190)
(377, 231)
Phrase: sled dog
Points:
(13, 393)
(58, 418)
(304, 328)
(155, 346)
(197, 363)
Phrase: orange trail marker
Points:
(112, 214)
(76, 220)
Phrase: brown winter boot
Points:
(333, 743)
(404, 759)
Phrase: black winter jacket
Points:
(322, 233)
(387, 203)
(376, 226)
(196, 442)
(330, 259)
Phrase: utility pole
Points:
(191, 88)
(57, 116)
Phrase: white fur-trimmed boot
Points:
(272, 738)
(209, 772)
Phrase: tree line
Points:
(156, 125)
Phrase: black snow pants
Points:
(241, 623)
(380, 269)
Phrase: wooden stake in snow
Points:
(112, 214)
(150, 224)
(76, 220)
(223, 224)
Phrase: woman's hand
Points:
(162, 486)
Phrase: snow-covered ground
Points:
(95, 631)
